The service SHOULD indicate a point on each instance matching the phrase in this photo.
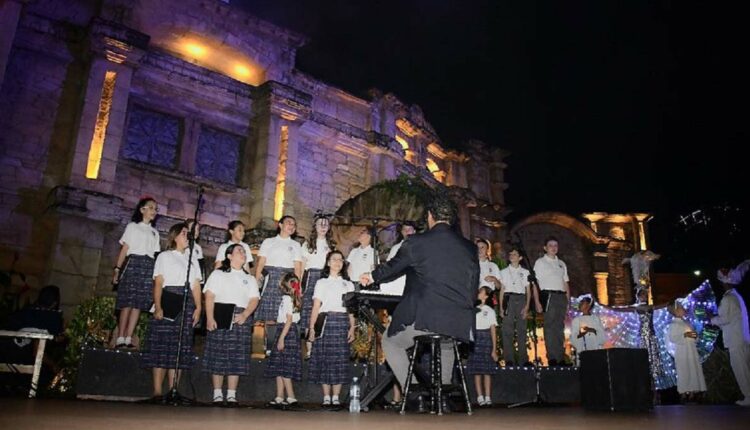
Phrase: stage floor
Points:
(76, 414)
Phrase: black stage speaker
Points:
(616, 379)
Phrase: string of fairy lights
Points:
(623, 328)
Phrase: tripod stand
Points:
(174, 397)
(537, 401)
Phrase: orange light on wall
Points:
(278, 209)
(432, 166)
(100, 127)
(215, 55)
(195, 49)
(403, 142)
(241, 70)
(602, 295)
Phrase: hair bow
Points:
(296, 287)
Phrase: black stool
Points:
(436, 383)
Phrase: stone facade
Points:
(104, 101)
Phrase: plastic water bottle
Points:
(354, 396)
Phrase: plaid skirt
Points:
(160, 347)
(227, 352)
(329, 361)
(270, 298)
(136, 288)
(286, 363)
(308, 283)
(480, 357)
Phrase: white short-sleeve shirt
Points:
(280, 252)
(361, 261)
(551, 273)
(172, 266)
(317, 259)
(223, 249)
(286, 308)
(330, 292)
(488, 268)
(235, 287)
(197, 252)
(141, 238)
(514, 279)
(486, 317)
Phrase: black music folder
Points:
(320, 324)
(224, 315)
(171, 304)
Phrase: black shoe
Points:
(528, 364)
(552, 362)
(510, 364)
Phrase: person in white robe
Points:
(683, 337)
(733, 321)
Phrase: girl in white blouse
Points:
(140, 242)
(329, 362)
(227, 351)
(162, 339)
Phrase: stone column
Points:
(116, 52)
(602, 296)
(276, 106)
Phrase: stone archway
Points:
(580, 247)
(386, 204)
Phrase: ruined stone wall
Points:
(175, 123)
(38, 105)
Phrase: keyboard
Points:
(371, 299)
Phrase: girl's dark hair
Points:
(174, 231)
(287, 290)
(312, 244)
(484, 241)
(226, 265)
(232, 225)
(327, 268)
(549, 239)
(487, 290)
(281, 221)
(591, 302)
(369, 233)
(400, 237)
(137, 215)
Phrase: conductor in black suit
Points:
(442, 274)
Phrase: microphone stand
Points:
(534, 290)
(174, 398)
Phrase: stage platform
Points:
(42, 414)
(116, 375)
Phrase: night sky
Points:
(606, 106)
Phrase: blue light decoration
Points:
(623, 328)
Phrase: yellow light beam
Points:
(100, 127)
